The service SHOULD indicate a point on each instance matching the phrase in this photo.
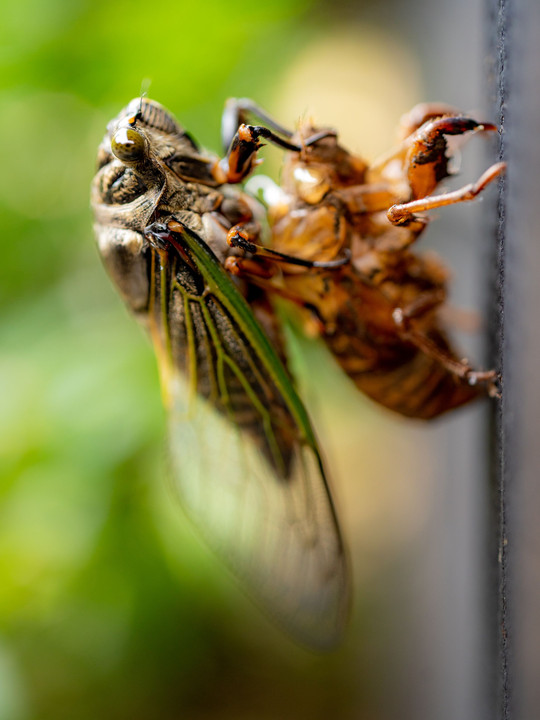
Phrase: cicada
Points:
(245, 458)
(380, 313)
(186, 252)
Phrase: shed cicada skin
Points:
(246, 463)
(379, 313)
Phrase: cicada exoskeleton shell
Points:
(380, 315)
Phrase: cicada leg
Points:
(408, 330)
(416, 126)
(405, 213)
(421, 306)
(239, 236)
(242, 141)
(237, 112)
(422, 113)
(426, 162)
(423, 152)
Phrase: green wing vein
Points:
(246, 463)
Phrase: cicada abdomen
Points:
(396, 373)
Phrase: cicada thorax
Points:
(321, 166)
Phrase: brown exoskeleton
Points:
(380, 313)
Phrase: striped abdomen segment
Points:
(400, 376)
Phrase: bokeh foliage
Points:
(108, 606)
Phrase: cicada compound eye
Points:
(128, 145)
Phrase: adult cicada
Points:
(245, 458)
(379, 314)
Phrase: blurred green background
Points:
(109, 605)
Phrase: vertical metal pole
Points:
(497, 587)
(516, 25)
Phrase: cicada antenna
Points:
(145, 85)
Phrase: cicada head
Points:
(321, 166)
(148, 167)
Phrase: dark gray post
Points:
(516, 27)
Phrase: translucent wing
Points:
(245, 459)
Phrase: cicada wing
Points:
(245, 459)
(279, 536)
